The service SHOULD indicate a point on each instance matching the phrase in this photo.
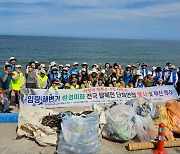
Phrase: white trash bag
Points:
(79, 134)
(29, 125)
(123, 124)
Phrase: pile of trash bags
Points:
(125, 121)
(80, 132)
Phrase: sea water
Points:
(68, 50)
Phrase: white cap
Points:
(95, 65)
(83, 69)
(74, 73)
(171, 67)
(12, 58)
(149, 73)
(140, 77)
(128, 66)
(68, 65)
(53, 63)
(84, 63)
(54, 68)
(42, 65)
(6, 63)
(75, 63)
(94, 70)
(138, 72)
(18, 66)
(154, 68)
(103, 71)
(65, 69)
(36, 62)
(114, 79)
(60, 65)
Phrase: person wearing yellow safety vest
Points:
(42, 79)
(74, 84)
(56, 85)
(17, 82)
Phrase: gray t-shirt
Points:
(31, 77)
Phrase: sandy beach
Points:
(10, 145)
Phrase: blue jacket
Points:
(52, 76)
(13, 67)
(140, 85)
(64, 78)
(144, 72)
(157, 76)
(174, 77)
(77, 70)
(127, 77)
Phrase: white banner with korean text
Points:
(96, 95)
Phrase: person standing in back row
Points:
(12, 62)
(17, 83)
(144, 69)
(172, 77)
(31, 77)
(5, 80)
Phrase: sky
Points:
(141, 19)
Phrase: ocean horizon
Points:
(64, 50)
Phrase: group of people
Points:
(55, 76)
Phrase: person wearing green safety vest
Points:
(93, 77)
(42, 79)
(85, 84)
(114, 83)
(17, 82)
(74, 84)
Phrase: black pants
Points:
(31, 85)
(16, 97)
